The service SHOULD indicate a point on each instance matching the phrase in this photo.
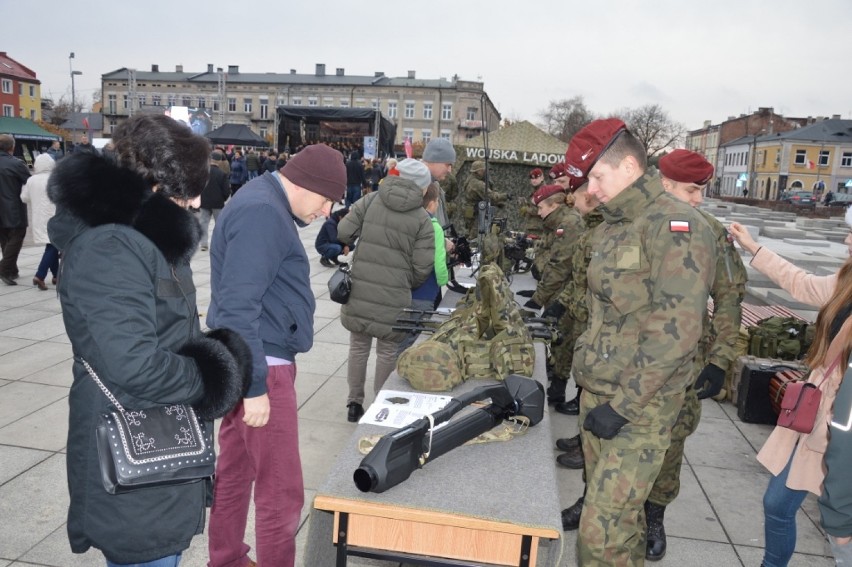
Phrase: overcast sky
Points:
(700, 61)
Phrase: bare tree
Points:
(564, 118)
(653, 127)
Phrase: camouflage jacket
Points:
(562, 229)
(573, 295)
(649, 279)
(721, 333)
(474, 192)
(533, 224)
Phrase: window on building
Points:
(375, 104)
(801, 157)
(409, 109)
(32, 115)
(408, 134)
(8, 110)
(232, 104)
(112, 125)
(344, 103)
(186, 100)
(32, 91)
(391, 109)
(445, 134)
(297, 101)
(327, 101)
(427, 111)
(471, 113)
(172, 99)
(155, 100)
(143, 99)
(823, 157)
(216, 105)
(846, 159)
(202, 102)
(264, 108)
(7, 87)
(427, 136)
(312, 101)
(247, 104)
(20, 89)
(281, 100)
(447, 111)
(112, 104)
(126, 102)
(264, 131)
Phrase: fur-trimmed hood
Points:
(90, 191)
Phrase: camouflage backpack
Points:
(787, 338)
(484, 338)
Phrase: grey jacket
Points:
(395, 254)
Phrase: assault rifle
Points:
(401, 452)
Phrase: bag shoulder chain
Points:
(101, 385)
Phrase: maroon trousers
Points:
(268, 458)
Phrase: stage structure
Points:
(342, 128)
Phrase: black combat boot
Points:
(656, 546)
(571, 516)
(571, 407)
(556, 390)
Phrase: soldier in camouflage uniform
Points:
(571, 304)
(562, 226)
(474, 192)
(685, 175)
(533, 225)
(450, 187)
(648, 283)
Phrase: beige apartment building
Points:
(421, 109)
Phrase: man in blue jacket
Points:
(260, 289)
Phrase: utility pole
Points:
(73, 94)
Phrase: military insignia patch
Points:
(678, 226)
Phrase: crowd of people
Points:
(625, 264)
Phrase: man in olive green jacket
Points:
(395, 254)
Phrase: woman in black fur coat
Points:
(128, 302)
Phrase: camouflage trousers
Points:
(563, 354)
(619, 475)
(667, 485)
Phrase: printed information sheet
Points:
(394, 408)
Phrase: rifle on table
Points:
(401, 452)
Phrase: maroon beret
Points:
(546, 191)
(319, 169)
(557, 171)
(686, 167)
(575, 183)
(536, 173)
(590, 143)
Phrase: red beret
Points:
(536, 173)
(686, 167)
(546, 191)
(590, 143)
(576, 182)
(557, 171)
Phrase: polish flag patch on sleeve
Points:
(678, 226)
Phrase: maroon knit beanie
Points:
(319, 169)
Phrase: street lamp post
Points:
(73, 92)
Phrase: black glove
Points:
(555, 310)
(604, 422)
(532, 305)
(710, 381)
(526, 292)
